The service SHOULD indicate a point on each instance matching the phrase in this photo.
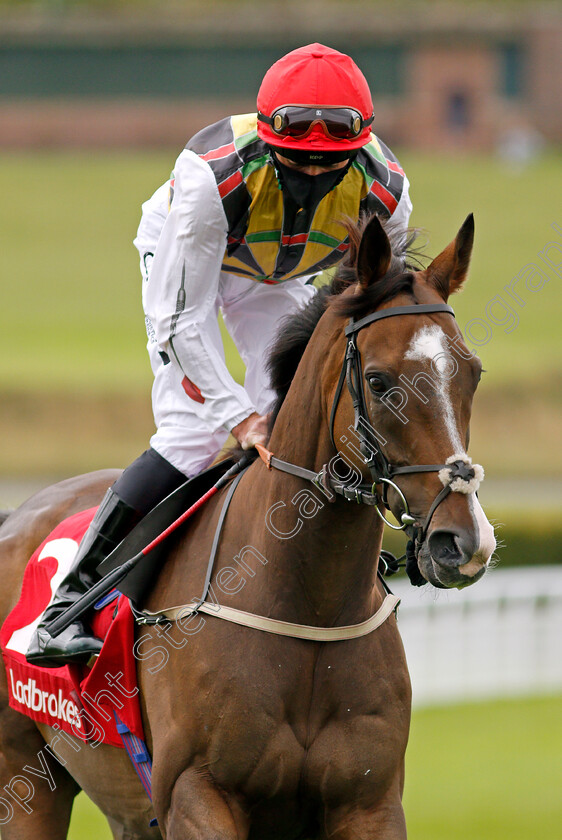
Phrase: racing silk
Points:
(205, 237)
(268, 241)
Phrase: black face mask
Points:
(308, 190)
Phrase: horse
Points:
(254, 734)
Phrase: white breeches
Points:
(251, 313)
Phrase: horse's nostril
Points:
(444, 548)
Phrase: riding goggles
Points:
(297, 121)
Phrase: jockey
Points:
(251, 214)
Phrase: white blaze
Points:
(487, 540)
(428, 345)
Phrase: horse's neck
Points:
(330, 562)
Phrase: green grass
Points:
(481, 771)
(73, 328)
(514, 212)
(490, 771)
(88, 822)
(71, 296)
(71, 302)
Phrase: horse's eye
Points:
(376, 383)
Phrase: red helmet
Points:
(315, 98)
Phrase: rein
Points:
(262, 622)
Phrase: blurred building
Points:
(443, 77)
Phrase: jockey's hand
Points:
(254, 429)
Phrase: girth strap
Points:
(272, 625)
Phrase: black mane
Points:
(295, 330)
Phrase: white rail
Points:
(502, 636)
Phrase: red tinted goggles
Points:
(298, 121)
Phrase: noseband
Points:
(457, 475)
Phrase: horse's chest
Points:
(271, 716)
(322, 727)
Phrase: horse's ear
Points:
(448, 271)
(375, 254)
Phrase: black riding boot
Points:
(140, 487)
(113, 520)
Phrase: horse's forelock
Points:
(399, 279)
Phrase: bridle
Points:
(382, 471)
(457, 474)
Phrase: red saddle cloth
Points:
(75, 698)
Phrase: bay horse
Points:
(253, 734)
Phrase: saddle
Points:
(138, 581)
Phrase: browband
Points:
(415, 309)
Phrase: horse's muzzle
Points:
(451, 560)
